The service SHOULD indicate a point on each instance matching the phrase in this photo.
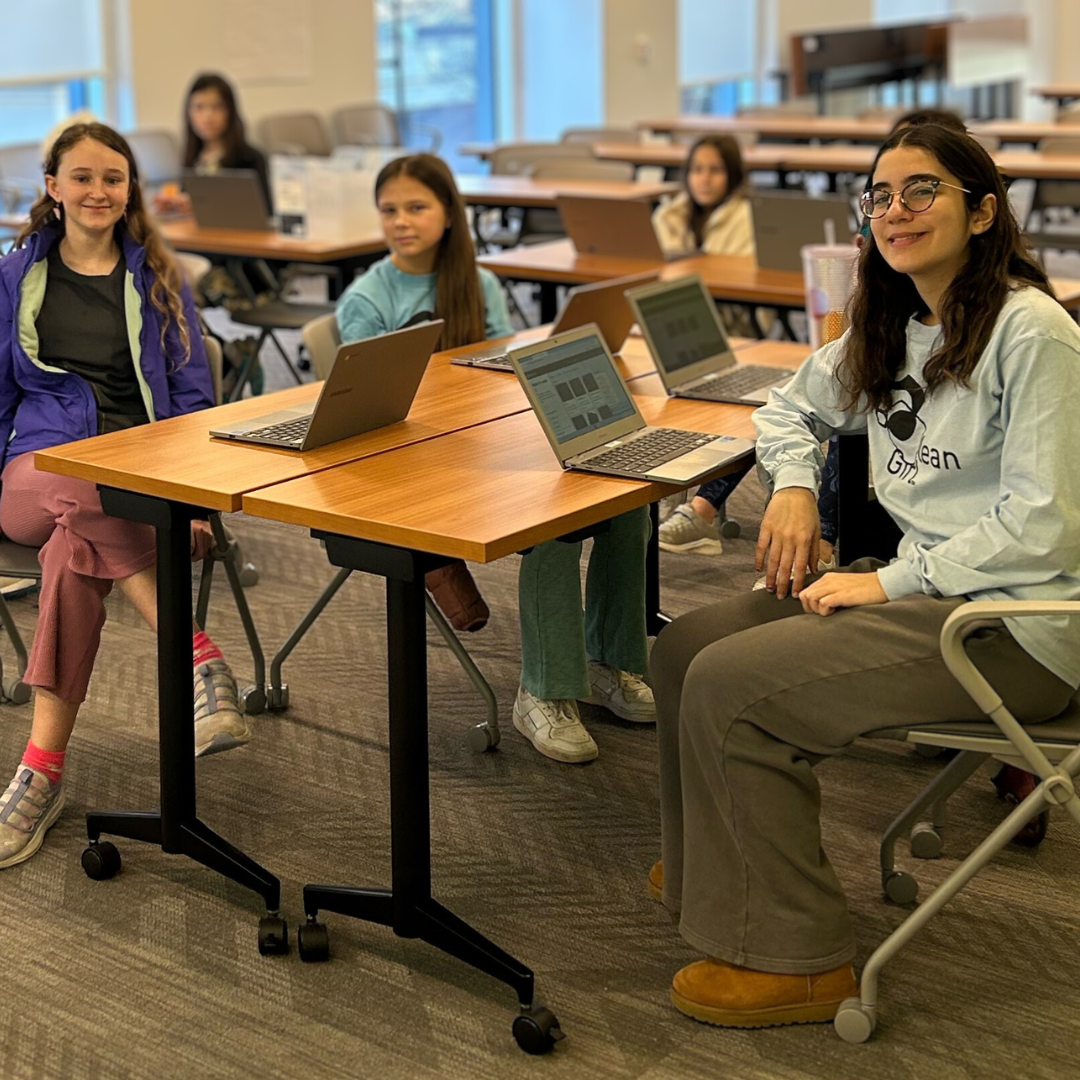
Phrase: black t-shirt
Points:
(82, 328)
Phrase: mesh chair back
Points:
(294, 133)
(157, 153)
(595, 135)
(365, 125)
(322, 340)
(582, 169)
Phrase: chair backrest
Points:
(217, 364)
(688, 138)
(322, 339)
(519, 159)
(582, 169)
(881, 112)
(990, 143)
(1059, 144)
(22, 162)
(365, 125)
(157, 153)
(794, 107)
(294, 133)
(604, 135)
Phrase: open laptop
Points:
(592, 423)
(687, 341)
(621, 228)
(603, 303)
(372, 384)
(784, 221)
(228, 199)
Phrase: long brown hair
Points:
(731, 156)
(997, 262)
(459, 300)
(165, 292)
(235, 138)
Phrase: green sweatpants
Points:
(555, 639)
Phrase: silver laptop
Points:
(784, 221)
(592, 423)
(687, 341)
(620, 228)
(603, 303)
(372, 383)
(228, 199)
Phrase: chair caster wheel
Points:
(253, 700)
(303, 363)
(730, 530)
(277, 697)
(313, 942)
(537, 1030)
(482, 738)
(248, 575)
(855, 1022)
(927, 751)
(273, 936)
(899, 887)
(101, 860)
(926, 841)
(16, 691)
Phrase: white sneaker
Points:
(686, 530)
(13, 588)
(553, 727)
(627, 695)
(28, 809)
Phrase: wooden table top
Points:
(1057, 91)
(185, 235)
(525, 191)
(728, 277)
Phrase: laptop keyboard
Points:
(641, 455)
(291, 432)
(740, 380)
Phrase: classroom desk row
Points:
(496, 488)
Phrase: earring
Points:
(56, 211)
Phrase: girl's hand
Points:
(832, 591)
(788, 540)
(202, 540)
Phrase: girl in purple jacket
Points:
(97, 333)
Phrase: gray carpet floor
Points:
(156, 973)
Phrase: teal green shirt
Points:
(385, 298)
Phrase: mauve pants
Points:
(83, 551)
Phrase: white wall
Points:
(640, 60)
(171, 44)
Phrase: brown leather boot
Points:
(718, 993)
(453, 589)
(656, 880)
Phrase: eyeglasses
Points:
(918, 196)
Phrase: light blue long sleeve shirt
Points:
(385, 298)
(982, 480)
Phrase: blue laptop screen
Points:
(682, 326)
(576, 387)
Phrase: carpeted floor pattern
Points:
(155, 974)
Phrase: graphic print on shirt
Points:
(907, 430)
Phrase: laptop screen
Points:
(682, 328)
(577, 388)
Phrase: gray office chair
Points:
(157, 153)
(18, 560)
(23, 174)
(600, 135)
(294, 133)
(1050, 750)
(376, 125)
(323, 340)
(583, 169)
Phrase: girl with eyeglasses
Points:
(961, 368)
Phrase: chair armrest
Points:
(952, 640)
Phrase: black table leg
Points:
(408, 907)
(176, 827)
(655, 619)
(549, 301)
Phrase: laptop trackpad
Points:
(699, 462)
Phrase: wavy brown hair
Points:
(459, 300)
(998, 262)
(731, 156)
(165, 292)
(235, 137)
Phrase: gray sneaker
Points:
(553, 727)
(218, 723)
(627, 695)
(28, 809)
(670, 503)
(686, 530)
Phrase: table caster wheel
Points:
(248, 576)
(253, 699)
(537, 1030)
(313, 942)
(855, 1022)
(926, 841)
(730, 530)
(16, 691)
(273, 936)
(101, 860)
(899, 887)
(482, 738)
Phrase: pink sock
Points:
(204, 649)
(49, 762)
